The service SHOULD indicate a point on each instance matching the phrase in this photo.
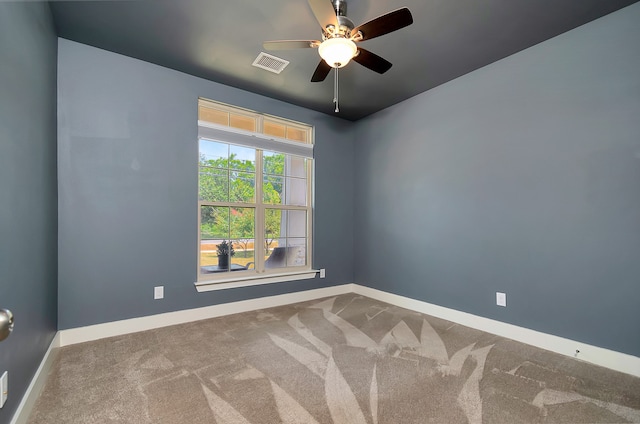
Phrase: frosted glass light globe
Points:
(337, 52)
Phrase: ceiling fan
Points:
(339, 38)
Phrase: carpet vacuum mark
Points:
(343, 360)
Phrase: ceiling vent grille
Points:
(270, 63)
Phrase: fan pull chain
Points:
(335, 90)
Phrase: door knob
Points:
(6, 323)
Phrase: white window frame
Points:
(260, 142)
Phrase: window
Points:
(255, 185)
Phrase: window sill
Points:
(253, 280)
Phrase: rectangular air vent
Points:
(270, 63)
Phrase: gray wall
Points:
(127, 180)
(28, 206)
(522, 177)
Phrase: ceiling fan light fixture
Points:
(337, 52)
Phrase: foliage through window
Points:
(254, 193)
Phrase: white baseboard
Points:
(593, 354)
(37, 384)
(134, 325)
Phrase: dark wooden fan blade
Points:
(321, 72)
(372, 61)
(324, 13)
(290, 44)
(385, 24)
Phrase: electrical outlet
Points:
(158, 292)
(322, 273)
(501, 299)
(4, 388)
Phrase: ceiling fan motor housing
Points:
(345, 25)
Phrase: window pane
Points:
(214, 228)
(208, 256)
(295, 192)
(296, 134)
(296, 251)
(242, 187)
(242, 158)
(242, 122)
(214, 223)
(244, 256)
(219, 256)
(242, 223)
(213, 115)
(276, 258)
(272, 188)
(273, 228)
(296, 224)
(274, 129)
(214, 184)
(296, 166)
(211, 261)
(214, 154)
(274, 163)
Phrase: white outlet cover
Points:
(4, 388)
(501, 299)
(158, 292)
(322, 273)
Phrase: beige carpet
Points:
(342, 360)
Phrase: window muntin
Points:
(267, 225)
